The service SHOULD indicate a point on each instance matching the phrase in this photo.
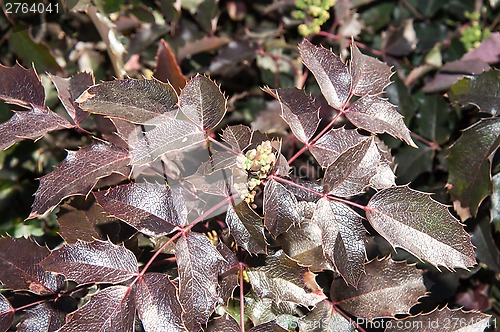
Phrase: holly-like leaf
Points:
(246, 227)
(280, 210)
(6, 314)
(369, 75)
(170, 135)
(411, 220)
(198, 262)
(331, 73)
(137, 101)
(32, 124)
(42, 318)
(388, 288)
(299, 111)
(157, 304)
(167, 69)
(481, 91)
(224, 323)
(228, 273)
(283, 279)
(22, 87)
(343, 238)
(325, 318)
(202, 102)
(81, 222)
(239, 137)
(78, 174)
(92, 262)
(447, 320)
(149, 207)
(268, 327)
(20, 269)
(329, 147)
(378, 115)
(110, 309)
(69, 89)
(303, 241)
(469, 177)
(262, 310)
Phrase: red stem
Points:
(242, 298)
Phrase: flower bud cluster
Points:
(258, 164)
(314, 12)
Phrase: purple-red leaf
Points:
(268, 327)
(151, 208)
(228, 273)
(411, 220)
(246, 227)
(92, 262)
(299, 111)
(239, 137)
(343, 238)
(68, 89)
(137, 101)
(331, 73)
(78, 174)
(198, 262)
(6, 314)
(388, 288)
(280, 208)
(378, 115)
(42, 318)
(283, 279)
(167, 69)
(369, 75)
(110, 309)
(224, 323)
(32, 124)
(157, 304)
(447, 320)
(202, 102)
(333, 143)
(325, 318)
(170, 135)
(20, 269)
(21, 86)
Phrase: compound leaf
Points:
(343, 238)
(6, 314)
(481, 91)
(378, 115)
(21, 86)
(92, 262)
(325, 318)
(202, 102)
(151, 208)
(388, 288)
(170, 135)
(280, 208)
(42, 317)
(469, 177)
(137, 101)
(198, 262)
(246, 227)
(20, 269)
(299, 111)
(411, 220)
(331, 73)
(167, 69)
(283, 279)
(369, 75)
(32, 124)
(69, 89)
(78, 174)
(110, 309)
(157, 304)
(447, 319)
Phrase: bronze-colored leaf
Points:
(21, 86)
(280, 208)
(325, 318)
(246, 227)
(369, 75)
(41, 318)
(238, 137)
(167, 69)
(6, 314)
(411, 220)
(388, 288)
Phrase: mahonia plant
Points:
(314, 13)
(162, 171)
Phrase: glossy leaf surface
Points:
(246, 227)
(91, 262)
(280, 210)
(325, 318)
(21, 86)
(369, 75)
(6, 314)
(43, 318)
